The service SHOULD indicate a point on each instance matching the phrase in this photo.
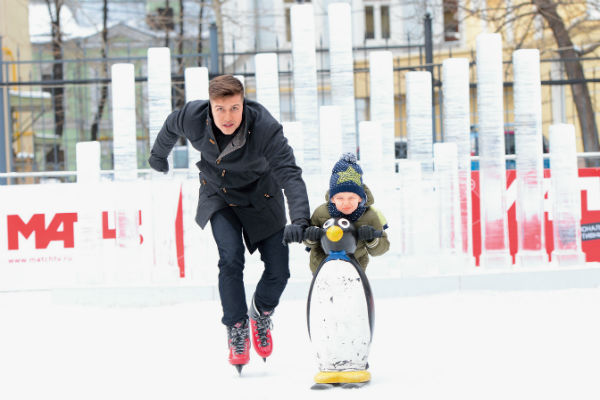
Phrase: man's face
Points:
(227, 112)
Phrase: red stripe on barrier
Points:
(179, 236)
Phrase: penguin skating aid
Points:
(340, 311)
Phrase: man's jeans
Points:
(227, 231)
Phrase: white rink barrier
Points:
(65, 235)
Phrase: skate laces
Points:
(238, 334)
(263, 324)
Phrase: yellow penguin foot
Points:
(343, 376)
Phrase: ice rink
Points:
(468, 344)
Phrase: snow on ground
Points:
(457, 345)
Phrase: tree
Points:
(566, 20)
(104, 88)
(57, 92)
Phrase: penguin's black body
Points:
(340, 309)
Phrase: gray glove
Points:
(159, 164)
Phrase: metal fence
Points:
(38, 145)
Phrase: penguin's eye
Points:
(344, 223)
(328, 223)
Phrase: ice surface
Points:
(467, 345)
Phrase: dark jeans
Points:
(227, 231)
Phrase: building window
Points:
(288, 18)
(369, 22)
(385, 22)
(378, 20)
(451, 20)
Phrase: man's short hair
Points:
(224, 86)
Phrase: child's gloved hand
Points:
(313, 233)
(368, 233)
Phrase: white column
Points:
(446, 171)
(159, 89)
(88, 227)
(370, 149)
(125, 160)
(196, 83)
(124, 124)
(88, 162)
(306, 101)
(409, 185)
(381, 76)
(492, 176)
(267, 82)
(418, 119)
(457, 129)
(196, 88)
(530, 163)
(293, 132)
(342, 71)
(330, 136)
(566, 196)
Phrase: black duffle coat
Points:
(248, 175)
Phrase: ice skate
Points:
(239, 344)
(261, 324)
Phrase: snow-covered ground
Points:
(542, 344)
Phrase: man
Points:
(245, 164)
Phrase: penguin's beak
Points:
(334, 233)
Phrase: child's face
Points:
(346, 202)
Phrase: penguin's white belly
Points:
(340, 331)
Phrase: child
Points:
(348, 198)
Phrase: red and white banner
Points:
(589, 184)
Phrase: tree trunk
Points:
(180, 87)
(199, 43)
(104, 88)
(580, 90)
(57, 69)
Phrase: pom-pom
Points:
(348, 157)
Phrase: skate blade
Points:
(343, 376)
(239, 367)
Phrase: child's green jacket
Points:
(370, 217)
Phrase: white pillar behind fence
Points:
(196, 88)
(370, 148)
(530, 164)
(125, 166)
(124, 123)
(196, 83)
(418, 119)
(159, 89)
(292, 130)
(457, 129)
(88, 162)
(381, 76)
(420, 148)
(267, 82)
(409, 189)
(330, 137)
(305, 82)
(88, 227)
(449, 233)
(566, 196)
(342, 71)
(492, 175)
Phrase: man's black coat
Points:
(248, 175)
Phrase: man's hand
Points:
(368, 233)
(294, 232)
(313, 233)
(159, 164)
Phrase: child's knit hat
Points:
(346, 176)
